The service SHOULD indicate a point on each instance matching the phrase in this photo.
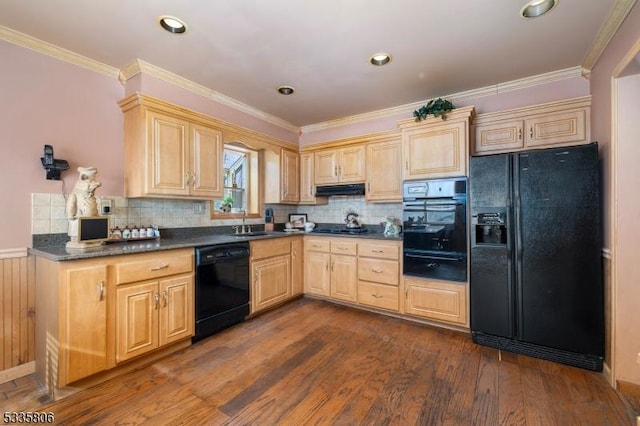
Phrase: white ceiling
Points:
(245, 49)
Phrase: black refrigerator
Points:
(536, 284)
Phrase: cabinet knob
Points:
(520, 134)
(165, 298)
(194, 180)
(187, 179)
(531, 132)
(156, 299)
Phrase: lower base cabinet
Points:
(151, 315)
(96, 313)
(270, 266)
(437, 300)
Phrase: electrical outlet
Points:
(106, 206)
(198, 208)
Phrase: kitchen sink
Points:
(251, 234)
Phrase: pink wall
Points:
(48, 101)
(152, 86)
(626, 293)
(563, 89)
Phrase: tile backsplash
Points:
(49, 212)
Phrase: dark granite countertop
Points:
(59, 252)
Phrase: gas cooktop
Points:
(340, 230)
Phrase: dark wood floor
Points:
(312, 362)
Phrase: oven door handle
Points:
(447, 208)
(431, 257)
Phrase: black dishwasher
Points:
(222, 287)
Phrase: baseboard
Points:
(627, 387)
(17, 372)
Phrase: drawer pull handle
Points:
(377, 271)
(377, 251)
(158, 268)
(376, 296)
(101, 290)
(316, 245)
(156, 298)
(343, 248)
(165, 298)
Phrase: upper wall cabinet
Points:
(384, 170)
(169, 154)
(434, 147)
(282, 177)
(539, 126)
(307, 183)
(340, 165)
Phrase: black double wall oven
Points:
(435, 228)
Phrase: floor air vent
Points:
(588, 362)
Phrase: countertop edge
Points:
(61, 253)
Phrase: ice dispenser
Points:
(490, 228)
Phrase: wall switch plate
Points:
(198, 208)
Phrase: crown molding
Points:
(608, 29)
(49, 49)
(496, 89)
(138, 66)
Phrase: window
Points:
(241, 183)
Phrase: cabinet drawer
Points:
(317, 244)
(378, 295)
(379, 271)
(344, 247)
(270, 248)
(379, 251)
(153, 266)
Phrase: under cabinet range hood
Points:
(329, 190)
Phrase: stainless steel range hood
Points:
(329, 190)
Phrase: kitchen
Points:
(102, 125)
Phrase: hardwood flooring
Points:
(313, 362)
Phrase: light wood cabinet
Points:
(538, 126)
(169, 155)
(379, 274)
(437, 300)
(384, 171)
(297, 266)
(84, 313)
(95, 313)
(154, 302)
(340, 165)
(270, 265)
(317, 260)
(282, 177)
(307, 183)
(435, 148)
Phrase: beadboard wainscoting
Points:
(17, 314)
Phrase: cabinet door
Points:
(177, 319)
(384, 171)
(270, 282)
(84, 309)
(316, 273)
(435, 151)
(344, 277)
(499, 137)
(307, 181)
(436, 300)
(561, 128)
(297, 264)
(326, 167)
(290, 174)
(168, 155)
(137, 308)
(206, 162)
(351, 164)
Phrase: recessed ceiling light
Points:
(536, 8)
(380, 59)
(286, 90)
(172, 24)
